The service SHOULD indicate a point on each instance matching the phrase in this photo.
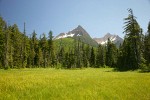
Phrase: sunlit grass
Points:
(56, 84)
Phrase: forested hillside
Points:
(17, 50)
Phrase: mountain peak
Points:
(114, 38)
(79, 26)
(108, 34)
(78, 32)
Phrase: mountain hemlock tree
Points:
(131, 48)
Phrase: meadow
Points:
(77, 84)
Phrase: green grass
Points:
(84, 84)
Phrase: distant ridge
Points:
(114, 38)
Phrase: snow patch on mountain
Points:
(103, 42)
(64, 35)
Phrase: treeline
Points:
(17, 50)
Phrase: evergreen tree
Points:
(61, 55)
(146, 51)
(71, 59)
(92, 58)
(40, 60)
(87, 54)
(2, 41)
(24, 50)
(33, 49)
(16, 39)
(111, 54)
(147, 46)
(75, 52)
(44, 46)
(100, 57)
(51, 56)
(132, 30)
(6, 48)
(66, 61)
(131, 49)
(78, 64)
(11, 48)
(84, 56)
(124, 53)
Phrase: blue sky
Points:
(98, 17)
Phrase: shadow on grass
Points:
(144, 71)
(118, 70)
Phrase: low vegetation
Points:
(83, 84)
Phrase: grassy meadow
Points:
(83, 84)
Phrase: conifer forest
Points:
(18, 50)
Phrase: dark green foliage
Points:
(51, 55)
(111, 54)
(130, 52)
(61, 55)
(16, 46)
(147, 50)
(84, 58)
(6, 48)
(100, 56)
(147, 45)
(33, 49)
(24, 49)
(92, 58)
(2, 35)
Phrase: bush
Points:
(145, 68)
(58, 66)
